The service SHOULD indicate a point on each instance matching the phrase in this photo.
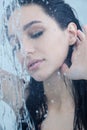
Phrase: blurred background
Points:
(6, 61)
(81, 8)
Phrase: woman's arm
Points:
(78, 69)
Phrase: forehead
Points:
(25, 14)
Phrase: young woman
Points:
(43, 34)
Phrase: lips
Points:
(34, 64)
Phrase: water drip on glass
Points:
(17, 73)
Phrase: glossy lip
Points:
(34, 64)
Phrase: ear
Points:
(72, 33)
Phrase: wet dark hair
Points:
(37, 101)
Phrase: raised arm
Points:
(78, 69)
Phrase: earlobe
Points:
(72, 31)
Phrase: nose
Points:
(28, 48)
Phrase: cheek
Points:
(59, 54)
(63, 54)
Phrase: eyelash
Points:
(36, 34)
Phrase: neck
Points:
(57, 91)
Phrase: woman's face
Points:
(41, 44)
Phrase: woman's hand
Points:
(12, 90)
(78, 69)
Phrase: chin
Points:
(39, 78)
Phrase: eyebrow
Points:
(28, 25)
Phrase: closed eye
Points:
(36, 34)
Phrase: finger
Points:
(78, 42)
(76, 46)
(85, 29)
(80, 35)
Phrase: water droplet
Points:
(52, 101)
(58, 73)
(6, 51)
(55, 10)
(47, 2)
(45, 115)
(43, 0)
(48, 84)
(64, 74)
(37, 111)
